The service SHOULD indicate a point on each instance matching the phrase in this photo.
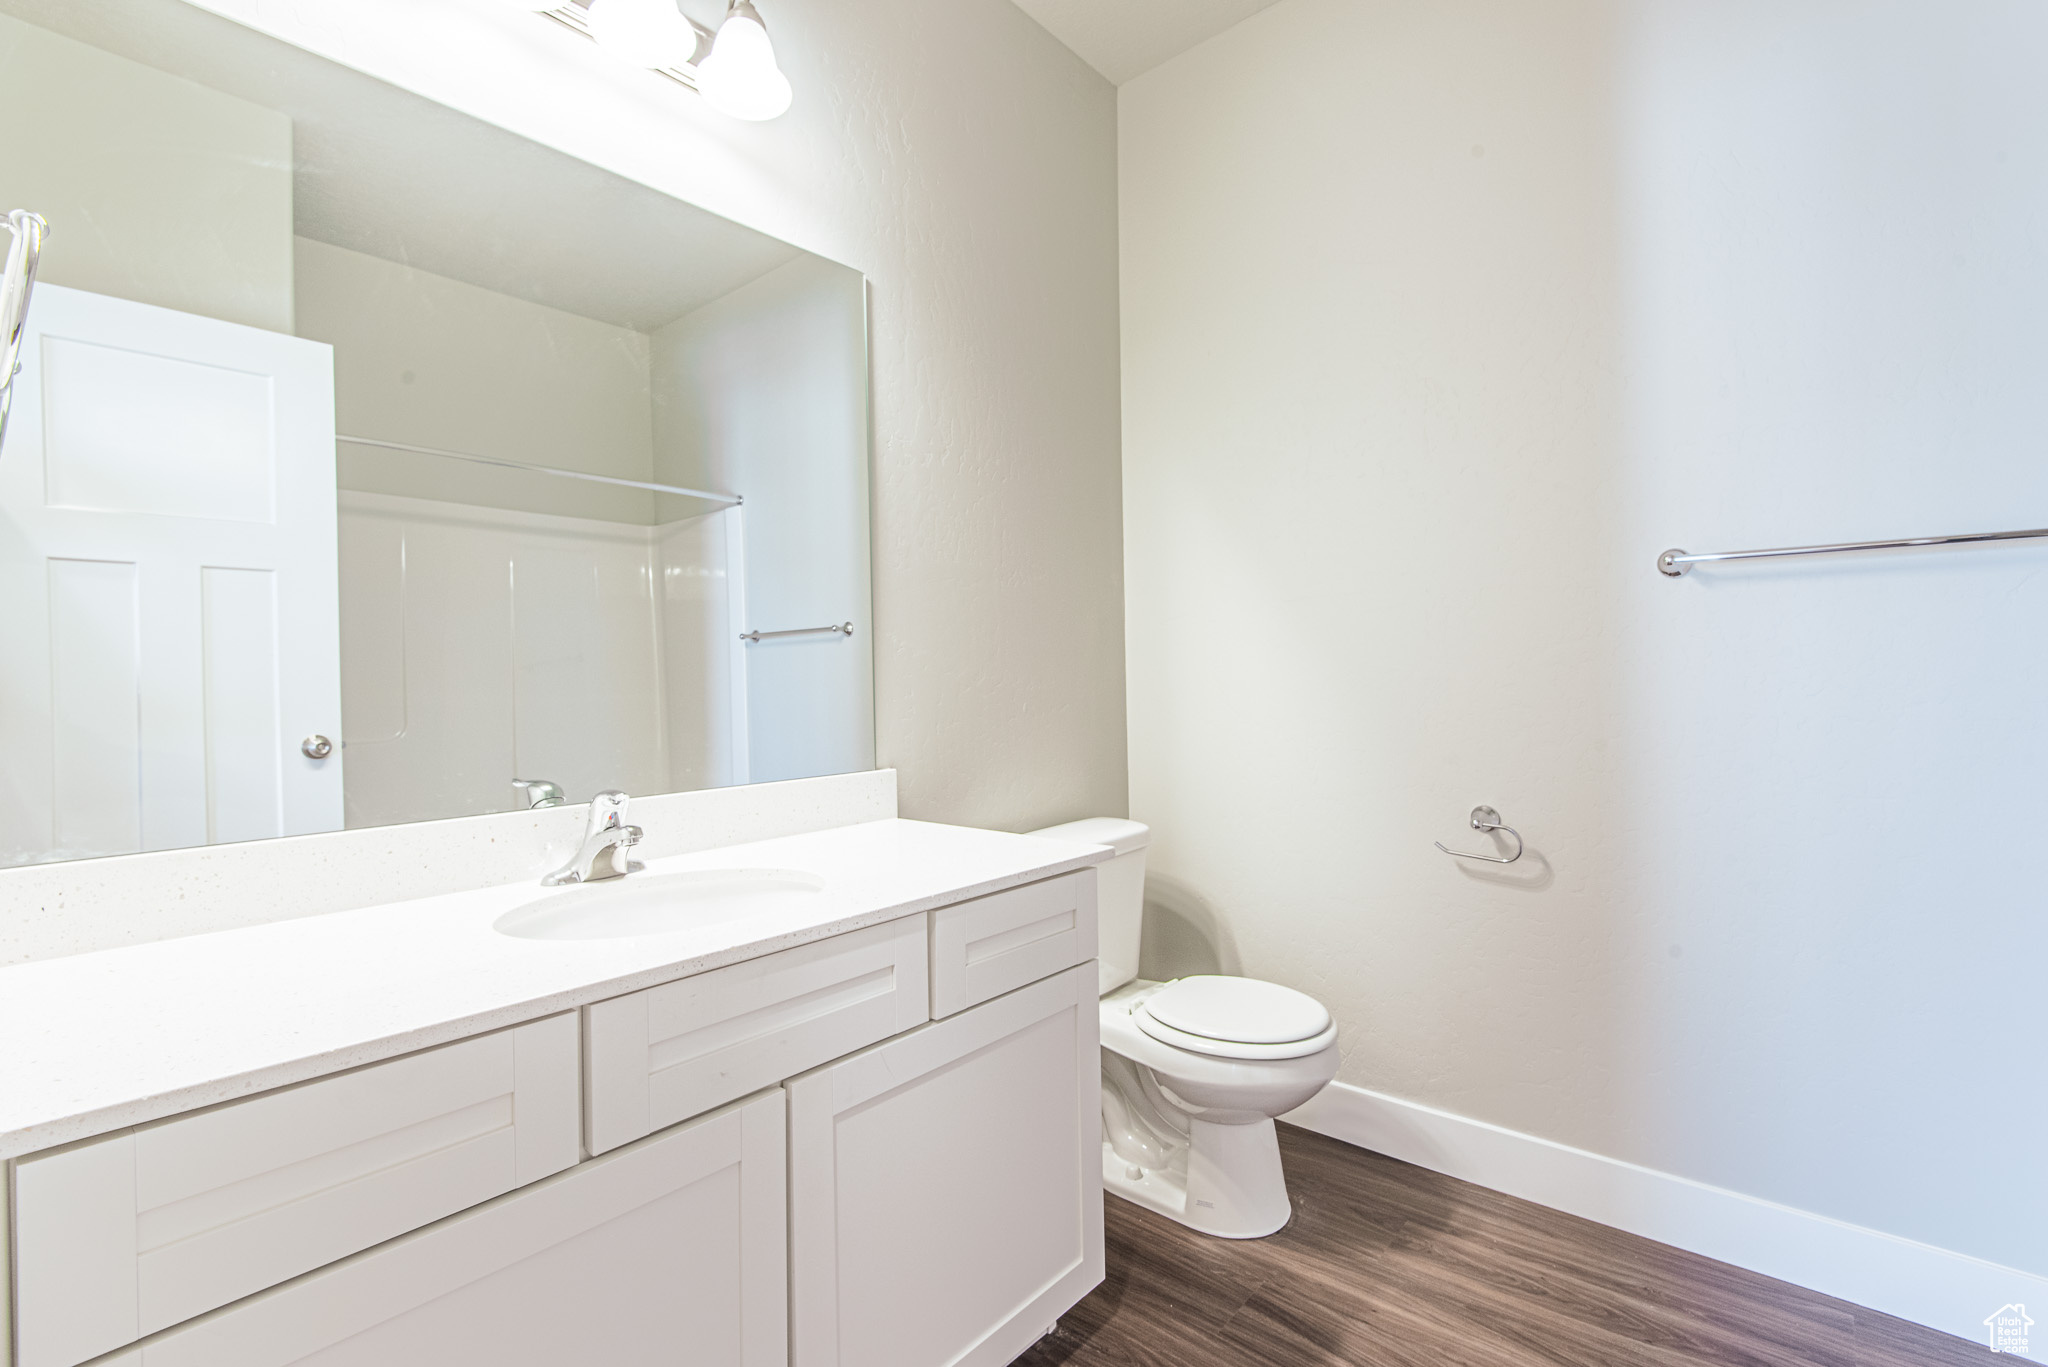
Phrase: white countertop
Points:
(96, 1042)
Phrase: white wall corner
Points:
(1913, 1281)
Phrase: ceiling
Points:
(1126, 38)
(389, 173)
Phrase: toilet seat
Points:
(1239, 1018)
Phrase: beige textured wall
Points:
(963, 160)
(1442, 319)
(156, 189)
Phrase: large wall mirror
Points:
(343, 415)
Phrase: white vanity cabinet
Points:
(946, 1186)
(875, 1149)
(670, 1251)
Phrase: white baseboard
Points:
(1918, 1282)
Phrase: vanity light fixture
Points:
(732, 67)
(738, 77)
(649, 33)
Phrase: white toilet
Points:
(1193, 1071)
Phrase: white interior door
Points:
(168, 590)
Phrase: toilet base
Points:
(1227, 1181)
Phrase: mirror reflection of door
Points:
(167, 583)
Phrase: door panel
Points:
(95, 677)
(186, 439)
(168, 585)
(238, 635)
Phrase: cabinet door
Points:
(946, 1186)
(671, 1251)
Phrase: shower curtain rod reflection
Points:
(729, 500)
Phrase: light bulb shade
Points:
(651, 33)
(739, 77)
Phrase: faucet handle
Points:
(620, 850)
(608, 809)
(539, 792)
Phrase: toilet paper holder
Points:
(1487, 819)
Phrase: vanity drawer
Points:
(991, 945)
(122, 1236)
(668, 1053)
(671, 1252)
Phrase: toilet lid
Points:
(1236, 1018)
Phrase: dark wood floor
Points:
(1390, 1264)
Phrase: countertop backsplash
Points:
(48, 911)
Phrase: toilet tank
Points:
(1119, 890)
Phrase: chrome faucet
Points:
(538, 792)
(606, 841)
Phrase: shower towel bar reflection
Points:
(1675, 562)
(843, 629)
(1486, 819)
(730, 500)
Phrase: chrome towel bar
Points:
(1675, 562)
(843, 629)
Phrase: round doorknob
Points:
(316, 747)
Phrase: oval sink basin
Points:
(658, 905)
